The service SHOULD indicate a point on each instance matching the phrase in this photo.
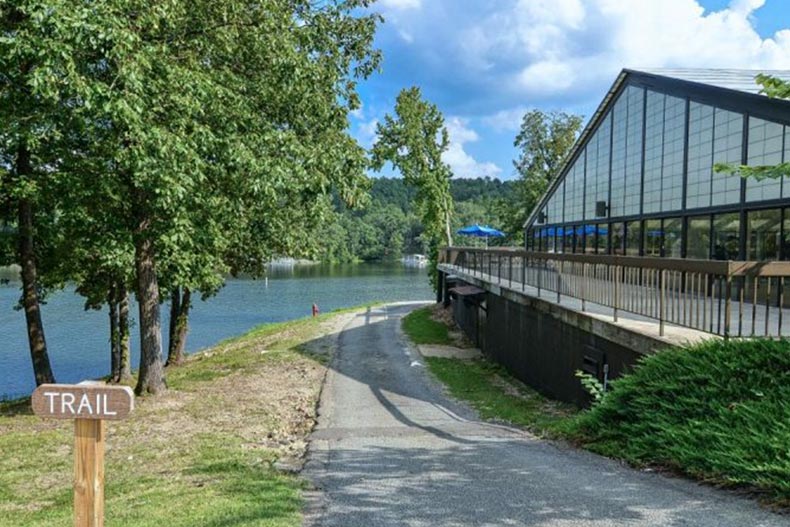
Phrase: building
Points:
(640, 180)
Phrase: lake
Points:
(78, 340)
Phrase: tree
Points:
(414, 141)
(543, 141)
(186, 139)
(38, 88)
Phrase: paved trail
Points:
(391, 449)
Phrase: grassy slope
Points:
(422, 329)
(719, 412)
(488, 387)
(200, 455)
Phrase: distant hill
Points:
(389, 227)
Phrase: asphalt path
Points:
(391, 448)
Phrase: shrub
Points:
(718, 411)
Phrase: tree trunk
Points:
(175, 310)
(29, 274)
(447, 226)
(179, 332)
(151, 376)
(115, 342)
(123, 334)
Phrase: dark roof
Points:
(732, 80)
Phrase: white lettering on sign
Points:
(87, 406)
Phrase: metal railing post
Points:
(728, 307)
(584, 280)
(559, 280)
(662, 303)
(616, 291)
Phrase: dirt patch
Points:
(444, 315)
(449, 352)
(515, 389)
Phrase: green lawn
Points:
(422, 329)
(202, 454)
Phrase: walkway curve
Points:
(391, 449)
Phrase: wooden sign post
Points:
(89, 405)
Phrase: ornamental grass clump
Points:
(718, 411)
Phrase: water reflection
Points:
(78, 340)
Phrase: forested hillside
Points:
(388, 226)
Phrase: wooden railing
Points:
(727, 298)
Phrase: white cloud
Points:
(545, 48)
(400, 4)
(366, 132)
(359, 113)
(461, 162)
(508, 120)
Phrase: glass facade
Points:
(763, 234)
(648, 181)
(654, 236)
(726, 232)
(633, 237)
(672, 242)
(698, 238)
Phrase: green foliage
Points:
(422, 329)
(413, 141)
(543, 141)
(718, 411)
(389, 227)
(592, 385)
(212, 132)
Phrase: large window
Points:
(653, 237)
(700, 155)
(727, 148)
(633, 237)
(665, 128)
(654, 151)
(619, 129)
(674, 139)
(765, 148)
(673, 237)
(762, 234)
(602, 239)
(633, 151)
(597, 173)
(726, 232)
(617, 232)
(698, 240)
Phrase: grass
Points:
(487, 387)
(496, 395)
(423, 329)
(718, 412)
(202, 454)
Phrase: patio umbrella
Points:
(481, 232)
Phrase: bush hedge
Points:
(718, 411)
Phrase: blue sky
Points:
(486, 62)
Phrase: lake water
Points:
(78, 340)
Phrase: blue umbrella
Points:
(481, 232)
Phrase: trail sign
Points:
(83, 401)
(89, 404)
